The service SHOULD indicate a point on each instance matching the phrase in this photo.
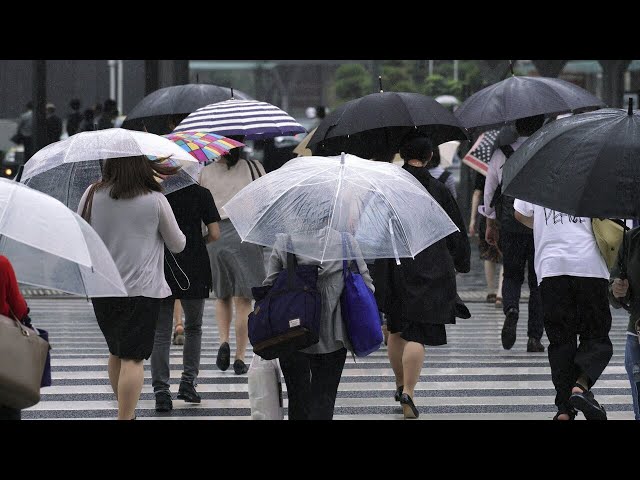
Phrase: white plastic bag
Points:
(265, 389)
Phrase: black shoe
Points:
(398, 393)
(534, 345)
(240, 367)
(224, 357)
(408, 408)
(566, 411)
(509, 328)
(187, 392)
(586, 403)
(163, 402)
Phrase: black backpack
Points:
(503, 204)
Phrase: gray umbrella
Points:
(153, 111)
(519, 97)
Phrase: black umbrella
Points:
(519, 97)
(587, 165)
(153, 111)
(376, 125)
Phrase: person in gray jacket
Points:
(312, 375)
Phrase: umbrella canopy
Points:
(480, 153)
(447, 151)
(520, 97)
(251, 119)
(314, 197)
(50, 246)
(66, 168)
(152, 113)
(376, 125)
(587, 165)
(204, 147)
(302, 148)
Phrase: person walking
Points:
(419, 296)
(135, 221)
(74, 119)
(236, 266)
(313, 375)
(515, 242)
(11, 303)
(489, 254)
(574, 284)
(189, 276)
(53, 124)
(624, 291)
(24, 131)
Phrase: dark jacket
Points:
(630, 257)
(423, 289)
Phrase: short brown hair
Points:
(129, 177)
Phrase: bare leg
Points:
(500, 277)
(114, 372)
(177, 313)
(490, 275)
(243, 309)
(412, 360)
(129, 387)
(395, 350)
(224, 313)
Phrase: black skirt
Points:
(128, 324)
(432, 334)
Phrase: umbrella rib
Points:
(279, 197)
(406, 237)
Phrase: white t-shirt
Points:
(564, 244)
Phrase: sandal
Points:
(570, 412)
(498, 302)
(491, 298)
(178, 335)
(587, 404)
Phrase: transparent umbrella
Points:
(66, 168)
(51, 246)
(382, 206)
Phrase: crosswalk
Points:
(470, 378)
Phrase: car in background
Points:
(11, 161)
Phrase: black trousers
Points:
(576, 306)
(312, 383)
(518, 250)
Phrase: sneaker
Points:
(534, 345)
(163, 402)
(187, 392)
(509, 328)
(587, 404)
(240, 367)
(224, 356)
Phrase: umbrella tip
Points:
(231, 93)
(380, 82)
(630, 111)
(342, 158)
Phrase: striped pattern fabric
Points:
(471, 378)
(204, 147)
(250, 118)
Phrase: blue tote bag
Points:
(359, 309)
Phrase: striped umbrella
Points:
(251, 119)
(205, 147)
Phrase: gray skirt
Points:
(236, 267)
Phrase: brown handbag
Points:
(88, 203)
(22, 360)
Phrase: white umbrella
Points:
(51, 246)
(447, 152)
(66, 168)
(384, 207)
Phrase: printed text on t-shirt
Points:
(557, 217)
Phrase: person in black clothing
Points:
(74, 118)
(419, 296)
(53, 124)
(189, 275)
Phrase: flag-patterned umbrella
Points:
(251, 119)
(480, 154)
(205, 147)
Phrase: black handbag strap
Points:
(292, 264)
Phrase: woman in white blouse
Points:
(134, 219)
